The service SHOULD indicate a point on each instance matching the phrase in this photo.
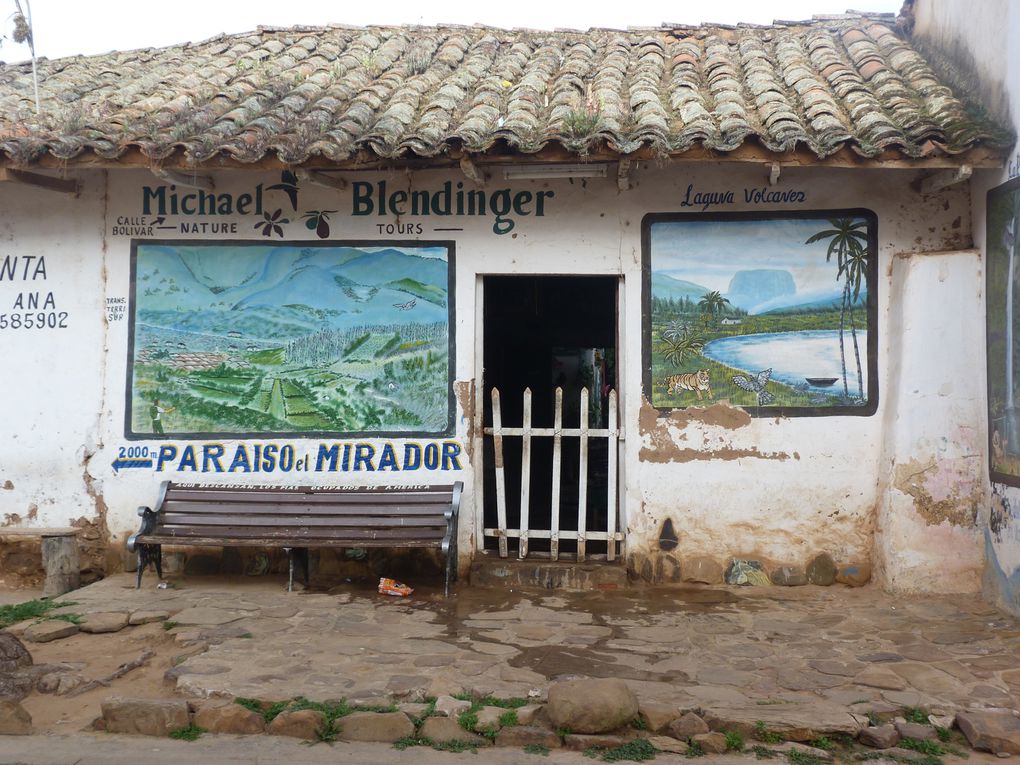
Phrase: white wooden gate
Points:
(526, 432)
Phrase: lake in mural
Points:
(769, 313)
(291, 338)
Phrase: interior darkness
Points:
(540, 332)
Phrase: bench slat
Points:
(302, 510)
(271, 542)
(301, 534)
(191, 519)
(324, 497)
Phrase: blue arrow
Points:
(134, 463)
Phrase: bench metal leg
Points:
(149, 554)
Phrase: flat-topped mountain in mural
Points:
(749, 289)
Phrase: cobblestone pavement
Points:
(803, 650)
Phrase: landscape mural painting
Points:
(774, 313)
(1003, 330)
(290, 338)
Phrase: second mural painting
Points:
(771, 313)
(249, 338)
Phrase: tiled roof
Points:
(345, 94)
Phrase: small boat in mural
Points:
(821, 382)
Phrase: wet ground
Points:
(697, 646)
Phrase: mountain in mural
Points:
(665, 286)
(750, 288)
(815, 300)
(390, 265)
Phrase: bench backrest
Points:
(311, 516)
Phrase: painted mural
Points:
(771, 313)
(286, 338)
(1003, 331)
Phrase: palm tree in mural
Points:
(712, 303)
(682, 341)
(848, 240)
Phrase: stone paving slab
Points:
(696, 647)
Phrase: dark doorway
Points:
(541, 332)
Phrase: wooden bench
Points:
(297, 519)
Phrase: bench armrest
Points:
(148, 523)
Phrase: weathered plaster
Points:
(943, 491)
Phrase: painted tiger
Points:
(693, 381)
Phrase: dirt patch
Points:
(465, 392)
(958, 501)
(101, 655)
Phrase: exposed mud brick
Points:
(578, 742)
(657, 716)
(991, 730)
(591, 705)
(108, 621)
(854, 575)
(916, 731)
(149, 717)
(228, 717)
(789, 576)
(52, 629)
(382, 727)
(13, 653)
(443, 730)
(879, 736)
(145, 617)
(702, 570)
(710, 743)
(794, 722)
(14, 719)
(688, 725)
(822, 570)
(525, 735)
(304, 723)
(668, 744)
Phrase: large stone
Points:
(60, 683)
(702, 570)
(304, 723)
(15, 686)
(444, 730)
(489, 719)
(879, 736)
(810, 753)
(668, 744)
(580, 742)
(13, 653)
(447, 706)
(854, 574)
(688, 725)
(916, 731)
(206, 616)
(821, 570)
(14, 719)
(591, 705)
(149, 717)
(228, 717)
(991, 730)
(526, 715)
(382, 727)
(710, 743)
(793, 721)
(657, 717)
(525, 735)
(747, 572)
(145, 617)
(51, 629)
(789, 576)
(107, 621)
(876, 677)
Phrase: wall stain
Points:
(663, 447)
(958, 501)
(94, 541)
(7, 485)
(464, 390)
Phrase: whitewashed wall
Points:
(983, 40)
(780, 489)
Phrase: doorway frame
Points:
(478, 420)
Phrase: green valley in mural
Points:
(773, 313)
(253, 338)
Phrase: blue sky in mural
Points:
(708, 253)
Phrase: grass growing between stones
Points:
(540, 749)
(823, 742)
(635, 751)
(72, 618)
(695, 750)
(762, 733)
(763, 752)
(442, 746)
(30, 609)
(802, 758)
(916, 715)
(190, 733)
(268, 711)
(734, 741)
